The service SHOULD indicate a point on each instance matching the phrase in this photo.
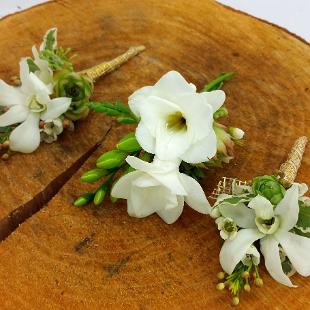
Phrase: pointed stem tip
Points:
(106, 67)
(288, 170)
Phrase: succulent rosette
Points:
(77, 87)
(270, 187)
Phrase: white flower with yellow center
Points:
(159, 187)
(176, 121)
(272, 226)
(28, 104)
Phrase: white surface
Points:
(293, 15)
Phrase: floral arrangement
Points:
(267, 216)
(48, 96)
(178, 135)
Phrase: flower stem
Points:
(106, 67)
(288, 170)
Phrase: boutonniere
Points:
(157, 167)
(268, 216)
(48, 96)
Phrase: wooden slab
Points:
(67, 258)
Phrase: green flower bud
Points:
(221, 112)
(93, 175)
(84, 199)
(269, 187)
(111, 159)
(75, 86)
(129, 143)
(99, 196)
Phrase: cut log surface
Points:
(99, 258)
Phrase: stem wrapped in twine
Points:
(288, 170)
(106, 67)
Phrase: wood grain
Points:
(68, 258)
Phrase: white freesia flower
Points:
(27, 105)
(176, 121)
(51, 129)
(272, 226)
(158, 187)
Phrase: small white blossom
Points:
(228, 228)
(251, 256)
(51, 129)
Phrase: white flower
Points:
(251, 255)
(176, 122)
(27, 105)
(51, 129)
(272, 227)
(227, 226)
(158, 187)
(45, 74)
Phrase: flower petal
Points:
(171, 215)
(242, 215)
(288, 208)
(16, 114)
(138, 98)
(169, 144)
(35, 85)
(55, 108)
(148, 200)
(166, 173)
(26, 137)
(270, 249)
(198, 115)
(155, 112)
(173, 83)
(202, 150)
(262, 206)
(146, 140)
(297, 249)
(215, 98)
(195, 197)
(121, 188)
(234, 250)
(10, 95)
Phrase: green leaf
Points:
(218, 82)
(301, 232)
(32, 66)
(120, 110)
(303, 216)
(50, 39)
(126, 120)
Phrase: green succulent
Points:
(269, 187)
(75, 86)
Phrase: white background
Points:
(293, 15)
